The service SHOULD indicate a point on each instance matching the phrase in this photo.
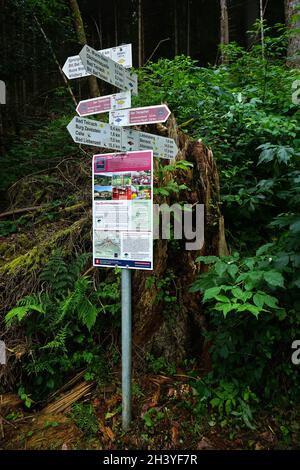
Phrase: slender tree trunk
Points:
(188, 35)
(251, 13)
(116, 21)
(262, 30)
(81, 37)
(292, 15)
(140, 33)
(224, 27)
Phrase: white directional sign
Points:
(100, 134)
(104, 103)
(106, 69)
(139, 116)
(73, 67)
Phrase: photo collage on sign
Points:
(123, 186)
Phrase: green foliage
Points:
(152, 417)
(41, 151)
(160, 365)
(241, 285)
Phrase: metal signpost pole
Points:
(126, 347)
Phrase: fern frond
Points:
(59, 341)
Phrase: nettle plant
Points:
(63, 323)
(241, 285)
(253, 312)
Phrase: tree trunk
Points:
(81, 37)
(224, 27)
(292, 15)
(175, 330)
(175, 28)
(188, 29)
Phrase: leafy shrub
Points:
(62, 323)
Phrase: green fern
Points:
(56, 275)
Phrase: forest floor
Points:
(163, 418)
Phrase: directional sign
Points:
(104, 104)
(100, 134)
(139, 116)
(73, 67)
(106, 69)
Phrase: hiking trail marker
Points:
(139, 116)
(73, 67)
(100, 134)
(108, 70)
(104, 104)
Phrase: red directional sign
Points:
(104, 104)
(139, 116)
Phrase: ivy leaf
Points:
(259, 300)
(241, 295)
(274, 279)
(220, 268)
(249, 308)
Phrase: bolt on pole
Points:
(126, 347)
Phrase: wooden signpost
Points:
(122, 182)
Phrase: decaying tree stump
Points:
(175, 330)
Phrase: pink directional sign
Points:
(104, 104)
(139, 116)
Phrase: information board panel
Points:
(123, 210)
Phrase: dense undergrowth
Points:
(244, 111)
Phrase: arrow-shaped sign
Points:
(106, 69)
(104, 104)
(73, 67)
(100, 134)
(139, 116)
